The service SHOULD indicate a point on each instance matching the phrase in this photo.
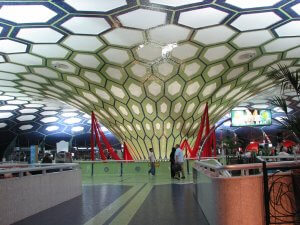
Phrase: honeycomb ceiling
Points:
(146, 67)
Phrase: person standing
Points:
(179, 160)
(172, 160)
(152, 162)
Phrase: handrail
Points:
(136, 161)
(39, 167)
(248, 166)
(279, 157)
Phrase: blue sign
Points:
(32, 154)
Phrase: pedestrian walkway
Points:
(132, 200)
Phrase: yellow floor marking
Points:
(128, 212)
(107, 212)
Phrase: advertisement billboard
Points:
(251, 117)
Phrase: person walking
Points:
(172, 161)
(179, 160)
(152, 162)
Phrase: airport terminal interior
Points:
(159, 112)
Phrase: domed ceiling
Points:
(147, 67)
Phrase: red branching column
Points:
(92, 139)
(127, 155)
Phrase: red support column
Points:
(92, 138)
(127, 155)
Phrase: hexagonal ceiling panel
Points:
(147, 67)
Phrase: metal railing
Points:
(31, 169)
(245, 169)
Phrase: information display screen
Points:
(253, 117)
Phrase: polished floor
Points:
(132, 200)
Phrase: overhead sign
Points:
(247, 117)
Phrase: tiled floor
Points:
(132, 200)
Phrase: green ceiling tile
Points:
(135, 89)
(124, 111)
(50, 51)
(178, 125)
(165, 69)
(191, 69)
(102, 94)
(149, 107)
(31, 77)
(177, 107)
(234, 73)
(136, 150)
(264, 60)
(156, 148)
(75, 81)
(243, 56)
(46, 72)
(213, 107)
(116, 56)
(222, 90)
(63, 66)
(123, 130)
(63, 85)
(148, 128)
(213, 35)
(163, 147)
(195, 128)
(170, 145)
(124, 37)
(200, 109)
(249, 76)
(168, 127)
(139, 128)
(174, 87)
(88, 61)
(154, 88)
(93, 77)
(136, 109)
(148, 53)
(192, 88)
(178, 140)
(158, 127)
(114, 73)
(106, 114)
(113, 112)
(89, 96)
(187, 127)
(185, 52)
(139, 71)
(282, 62)
(148, 143)
(190, 108)
(216, 53)
(144, 148)
(163, 108)
(209, 89)
(215, 70)
(117, 91)
(130, 129)
(83, 43)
